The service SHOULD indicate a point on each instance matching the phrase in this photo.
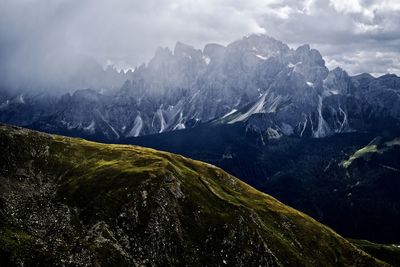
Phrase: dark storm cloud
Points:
(46, 38)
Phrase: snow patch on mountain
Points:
(258, 107)
(163, 124)
(207, 59)
(180, 125)
(91, 127)
(261, 57)
(322, 128)
(229, 113)
(137, 127)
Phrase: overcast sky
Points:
(358, 35)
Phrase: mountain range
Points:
(256, 79)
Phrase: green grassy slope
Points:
(72, 202)
(361, 201)
(388, 253)
(374, 147)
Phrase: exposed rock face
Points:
(184, 87)
(333, 103)
(69, 202)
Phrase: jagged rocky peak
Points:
(362, 81)
(389, 81)
(310, 64)
(170, 70)
(213, 50)
(339, 72)
(338, 82)
(264, 45)
(188, 58)
(162, 56)
(308, 56)
(182, 50)
(364, 75)
(366, 81)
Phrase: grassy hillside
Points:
(72, 202)
(350, 182)
(389, 253)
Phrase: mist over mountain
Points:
(256, 79)
(36, 37)
(66, 74)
